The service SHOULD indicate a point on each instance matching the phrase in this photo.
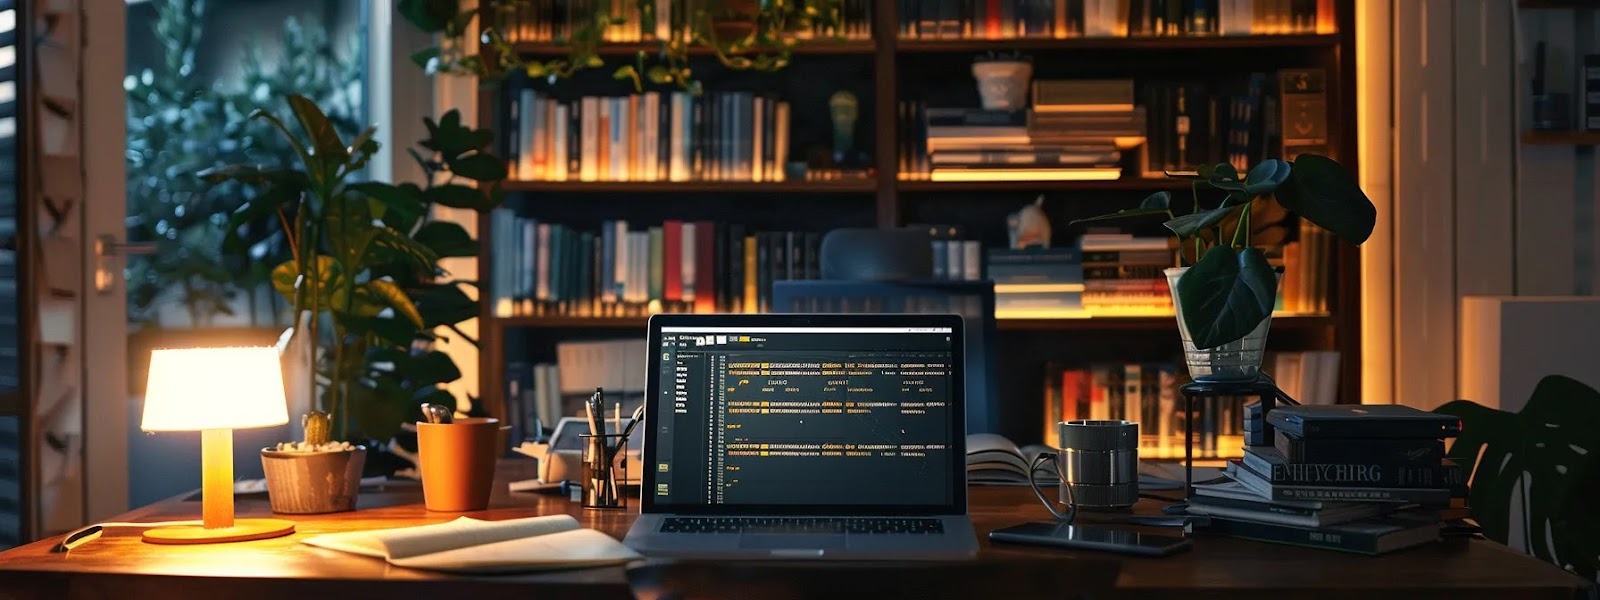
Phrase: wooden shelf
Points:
(571, 322)
(1312, 40)
(1561, 138)
(823, 46)
(1131, 184)
(1152, 323)
(1558, 4)
(861, 186)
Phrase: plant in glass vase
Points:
(364, 277)
(1225, 289)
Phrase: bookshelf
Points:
(882, 72)
(1561, 138)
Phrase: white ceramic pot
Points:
(1003, 85)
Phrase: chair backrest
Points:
(876, 255)
(973, 300)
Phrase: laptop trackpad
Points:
(776, 541)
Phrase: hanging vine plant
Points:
(747, 35)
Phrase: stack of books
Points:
(1036, 282)
(1124, 275)
(1365, 479)
(551, 269)
(1068, 139)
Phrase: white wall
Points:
(1465, 208)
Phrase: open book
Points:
(468, 545)
(994, 460)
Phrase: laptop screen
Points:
(805, 414)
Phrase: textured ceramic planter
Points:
(1003, 84)
(306, 483)
(1239, 360)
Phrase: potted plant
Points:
(1003, 79)
(365, 284)
(757, 35)
(1225, 289)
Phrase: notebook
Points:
(468, 545)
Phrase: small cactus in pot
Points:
(314, 475)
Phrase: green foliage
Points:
(365, 259)
(741, 34)
(1545, 459)
(177, 124)
(1230, 288)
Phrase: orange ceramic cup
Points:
(458, 463)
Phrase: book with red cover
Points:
(705, 297)
(672, 265)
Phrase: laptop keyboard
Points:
(856, 525)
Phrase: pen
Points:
(638, 415)
(616, 419)
(595, 411)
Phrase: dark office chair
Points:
(879, 253)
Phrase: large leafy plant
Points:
(1544, 459)
(741, 34)
(365, 259)
(1230, 288)
(179, 122)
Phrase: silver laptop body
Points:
(804, 436)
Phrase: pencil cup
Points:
(457, 462)
(605, 467)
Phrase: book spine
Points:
(686, 265)
(657, 265)
(1393, 452)
(1260, 485)
(1298, 536)
(672, 262)
(751, 273)
(1447, 475)
(1591, 92)
(1379, 429)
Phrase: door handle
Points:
(106, 251)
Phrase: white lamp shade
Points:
(214, 388)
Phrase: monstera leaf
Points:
(1543, 458)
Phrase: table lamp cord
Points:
(89, 533)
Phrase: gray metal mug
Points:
(1099, 466)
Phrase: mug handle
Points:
(1072, 503)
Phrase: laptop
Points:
(804, 436)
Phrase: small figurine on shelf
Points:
(1029, 226)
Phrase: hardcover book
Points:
(1332, 513)
(1387, 421)
(1271, 464)
(1396, 451)
(1367, 536)
(1265, 488)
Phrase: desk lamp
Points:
(215, 391)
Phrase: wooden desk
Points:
(120, 566)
